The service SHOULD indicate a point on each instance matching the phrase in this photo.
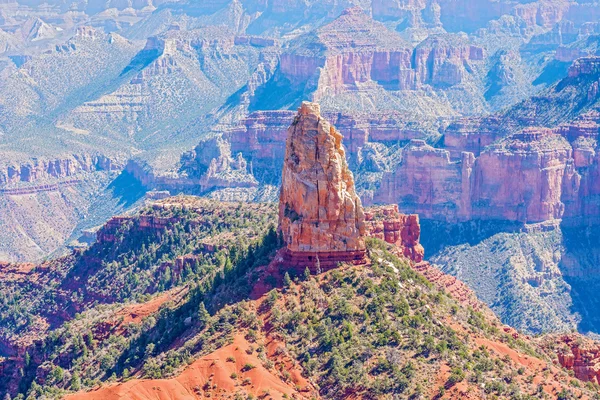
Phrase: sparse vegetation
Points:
(378, 331)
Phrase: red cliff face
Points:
(427, 182)
(261, 138)
(386, 223)
(544, 14)
(522, 178)
(351, 50)
(582, 356)
(472, 135)
(585, 66)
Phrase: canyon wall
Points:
(535, 175)
(426, 182)
(355, 50)
(41, 170)
(261, 136)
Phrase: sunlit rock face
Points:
(522, 178)
(320, 214)
(388, 224)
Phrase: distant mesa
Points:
(585, 66)
(86, 32)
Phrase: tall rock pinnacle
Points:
(320, 214)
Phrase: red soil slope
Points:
(210, 376)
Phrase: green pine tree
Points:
(307, 274)
(287, 281)
(203, 315)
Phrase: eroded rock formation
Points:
(320, 215)
(355, 50)
(351, 50)
(531, 176)
(41, 170)
(582, 356)
(386, 223)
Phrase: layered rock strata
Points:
(472, 135)
(427, 182)
(404, 231)
(42, 170)
(351, 50)
(582, 356)
(354, 50)
(440, 60)
(523, 178)
(320, 215)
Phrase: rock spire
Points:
(320, 214)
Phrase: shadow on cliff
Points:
(580, 267)
(578, 258)
(436, 235)
(126, 189)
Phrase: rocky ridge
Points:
(581, 356)
(225, 361)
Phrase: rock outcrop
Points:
(582, 356)
(427, 182)
(41, 170)
(221, 168)
(404, 231)
(585, 66)
(320, 215)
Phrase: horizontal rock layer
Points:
(532, 176)
(42, 170)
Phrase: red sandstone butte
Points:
(320, 214)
